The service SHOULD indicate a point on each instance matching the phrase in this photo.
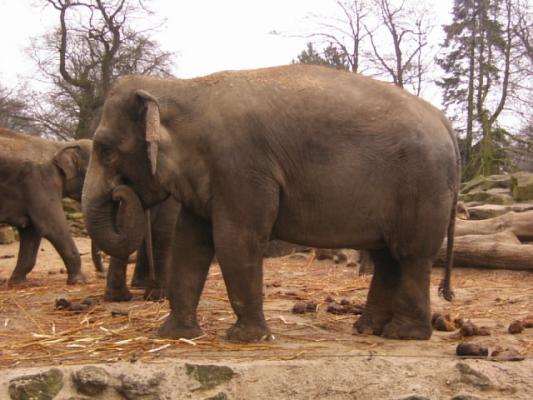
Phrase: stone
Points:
(7, 234)
(414, 397)
(209, 376)
(486, 183)
(522, 186)
(135, 387)
(472, 377)
(42, 386)
(492, 196)
(91, 380)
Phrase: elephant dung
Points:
(515, 327)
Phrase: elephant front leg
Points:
(239, 253)
(384, 285)
(192, 255)
(30, 240)
(116, 289)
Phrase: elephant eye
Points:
(107, 154)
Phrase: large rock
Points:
(522, 186)
(91, 380)
(137, 387)
(483, 183)
(209, 376)
(43, 386)
(492, 196)
(470, 376)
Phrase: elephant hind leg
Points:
(411, 304)
(30, 239)
(384, 285)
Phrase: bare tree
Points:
(398, 40)
(345, 33)
(14, 111)
(378, 38)
(94, 44)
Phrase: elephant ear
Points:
(151, 123)
(68, 160)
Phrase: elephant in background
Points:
(164, 217)
(35, 174)
(291, 153)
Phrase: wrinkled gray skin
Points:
(306, 154)
(163, 222)
(35, 174)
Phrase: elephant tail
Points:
(445, 286)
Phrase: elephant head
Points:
(121, 180)
(72, 160)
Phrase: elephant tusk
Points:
(149, 247)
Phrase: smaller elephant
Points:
(35, 174)
(164, 217)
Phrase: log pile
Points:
(503, 242)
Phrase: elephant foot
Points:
(77, 279)
(408, 329)
(172, 329)
(154, 294)
(117, 295)
(371, 323)
(248, 332)
(16, 281)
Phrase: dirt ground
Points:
(313, 355)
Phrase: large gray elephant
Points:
(35, 174)
(305, 154)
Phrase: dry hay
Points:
(32, 332)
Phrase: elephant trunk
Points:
(115, 220)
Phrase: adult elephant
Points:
(162, 224)
(35, 174)
(306, 154)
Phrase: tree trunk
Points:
(501, 250)
(521, 224)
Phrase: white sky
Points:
(207, 35)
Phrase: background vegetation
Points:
(483, 67)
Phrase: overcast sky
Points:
(207, 35)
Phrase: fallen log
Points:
(501, 250)
(521, 224)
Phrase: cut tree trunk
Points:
(501, 250)
(521, 224)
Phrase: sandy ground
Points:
(313, 355)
